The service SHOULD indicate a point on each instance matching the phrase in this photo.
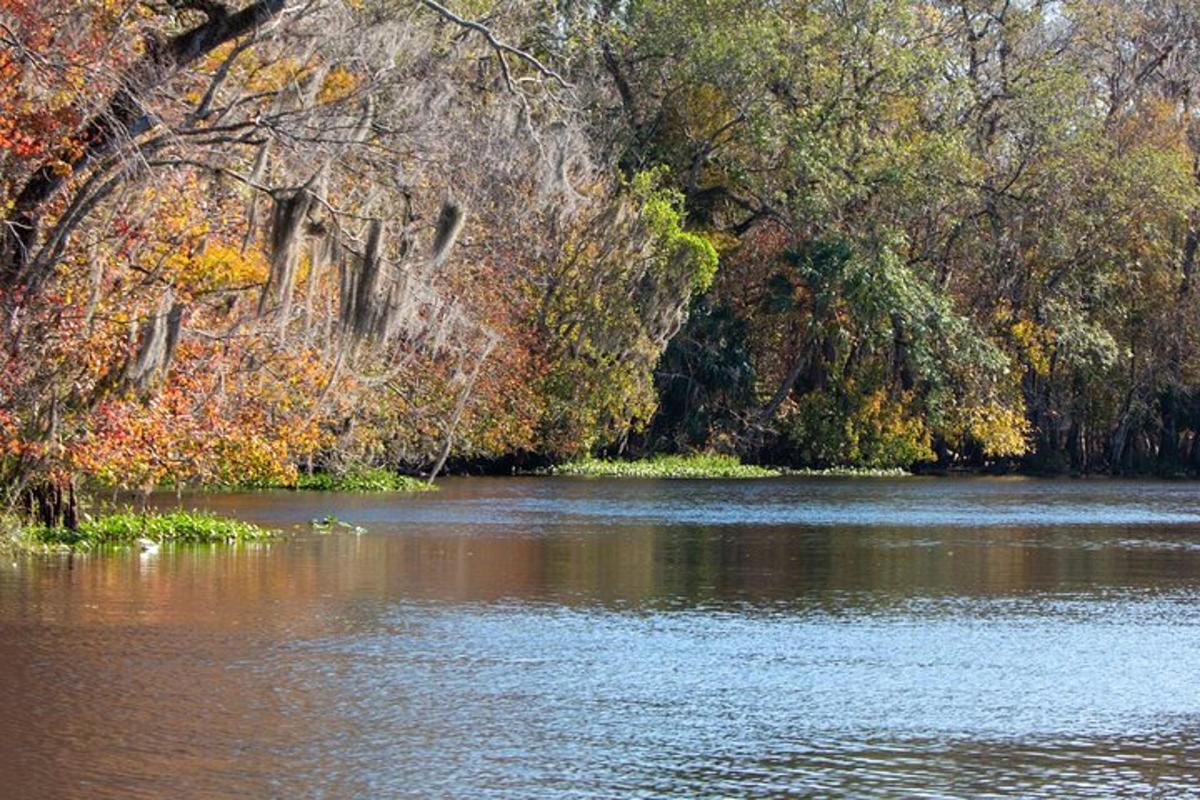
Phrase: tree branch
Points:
(500, 47)
(123, 118)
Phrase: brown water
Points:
(554, 638)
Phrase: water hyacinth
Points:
(850, 472)
(131, 527)
(677, 467)
(365, 480)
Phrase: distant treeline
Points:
(951, 233)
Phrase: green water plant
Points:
(330, 523)
(131, 527)
(692, 466)
(850, 472)
(362, 480)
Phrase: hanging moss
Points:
(286, 228)
(449, 225)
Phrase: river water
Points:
(558, 638)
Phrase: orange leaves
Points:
(339, 83)
(49, 70)
(211, 422)
(15, 137)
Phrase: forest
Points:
(249, 239)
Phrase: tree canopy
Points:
(243, 238)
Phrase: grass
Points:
(132, 527)
(695, 466)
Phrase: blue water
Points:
(584, 639)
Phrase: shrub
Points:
(852, 429)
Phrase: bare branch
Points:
(500, 47)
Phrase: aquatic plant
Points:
(132, 527)
(362, 480)
(693, 466)
(850, 472)
(354, 480)
(330, 523)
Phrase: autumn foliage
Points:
(249, 237)
(258, 262)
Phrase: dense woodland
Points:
(243, 239)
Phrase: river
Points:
(560, 638)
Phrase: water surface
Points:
(561, 638)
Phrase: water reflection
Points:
(519, 648)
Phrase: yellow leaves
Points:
(276, 75)
(189, 240)
(217, 56)
(859, 428)
(217, 266)
(339, 83)
(1002, 431)
(706, 111)
(722, 241)
(1036, 344)
(253, 458)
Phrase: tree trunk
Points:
(51, 506)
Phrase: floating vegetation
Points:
(705, 466)
(363, 480)
(149, 530)
(850, 472)
(331, 523)
(694, 466)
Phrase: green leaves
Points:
(676, 252)
(621, 292)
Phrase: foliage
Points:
(222, 254)
(241, 236)
(704, 381)
(984, 215)
(855, 429)
(619, 293)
